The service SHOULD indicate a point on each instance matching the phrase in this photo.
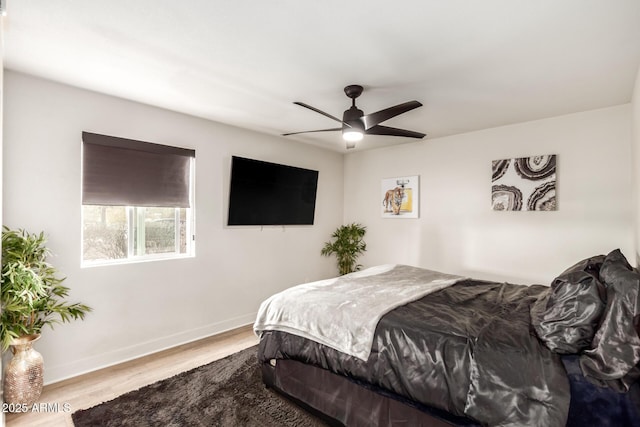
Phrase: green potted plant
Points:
(347, 244)
(32, 296)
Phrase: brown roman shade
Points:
(126, 172)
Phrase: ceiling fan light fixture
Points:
(352, 135)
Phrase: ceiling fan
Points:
(355, 124)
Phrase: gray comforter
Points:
(469, 349)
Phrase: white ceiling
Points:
(473, 64)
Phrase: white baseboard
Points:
(65, 371)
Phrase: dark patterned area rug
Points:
(228, 392)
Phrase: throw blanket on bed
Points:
(343, 313)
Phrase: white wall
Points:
(144, 307)
(457, 230)
(635, 125)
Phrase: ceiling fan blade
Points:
(302, 104)
(309, 131)
(370, 120)
(386, 130)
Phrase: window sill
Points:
(135, 260)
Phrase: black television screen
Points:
(263, 193)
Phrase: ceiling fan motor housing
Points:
(352, 118)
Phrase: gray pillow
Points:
(567, 316)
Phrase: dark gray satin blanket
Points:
(469, 349)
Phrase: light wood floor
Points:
(91, 389)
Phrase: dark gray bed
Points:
(481, 353)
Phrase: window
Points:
(136, 200)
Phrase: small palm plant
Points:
(31, 294)
(348, 244)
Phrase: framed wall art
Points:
(524, 184)
(400, 197)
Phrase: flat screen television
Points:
(263, 193)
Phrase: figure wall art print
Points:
(524, 184)
(400, 197)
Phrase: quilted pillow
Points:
(566, 318)
(615, 350)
